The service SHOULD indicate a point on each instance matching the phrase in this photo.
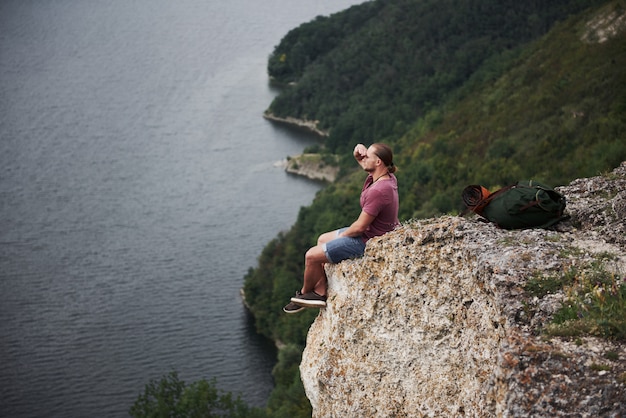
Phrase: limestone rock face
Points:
(434, 320)
(313, 167)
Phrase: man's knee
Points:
(325, 237)
(315, 255)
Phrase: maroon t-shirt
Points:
(380, 199)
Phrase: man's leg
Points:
(327, 236)
(314, 274)
(314, 260)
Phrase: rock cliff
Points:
(308, 125)
(439, 318)
(313, 166)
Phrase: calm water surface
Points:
(137, 186)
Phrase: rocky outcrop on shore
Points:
(439, 319)
(309, 125)
(313, 166)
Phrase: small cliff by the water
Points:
(307, 125)
(313, 166)
(439, 319)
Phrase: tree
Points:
(170, 397)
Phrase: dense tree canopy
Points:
(372, 70)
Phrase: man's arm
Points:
(359, 226)
(360, 152)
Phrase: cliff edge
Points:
(448, 317)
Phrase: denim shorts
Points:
(342, 248)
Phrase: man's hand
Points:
(360, 152)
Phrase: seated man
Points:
(379, 215)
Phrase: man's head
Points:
(379, 156)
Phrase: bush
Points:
(171, 397)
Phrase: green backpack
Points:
(526, 204)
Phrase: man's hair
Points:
(383, 151)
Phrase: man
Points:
(379, 215)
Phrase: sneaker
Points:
(309, 300)
(293, 308)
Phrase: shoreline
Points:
(309, 125)
(277, 343)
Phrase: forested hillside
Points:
(466, 92)
(372, 70)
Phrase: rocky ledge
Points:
(309, 125)
(442, 317)
(313, 166)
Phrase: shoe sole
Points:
(309, 303)
(294, 311)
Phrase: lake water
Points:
(137, 187)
